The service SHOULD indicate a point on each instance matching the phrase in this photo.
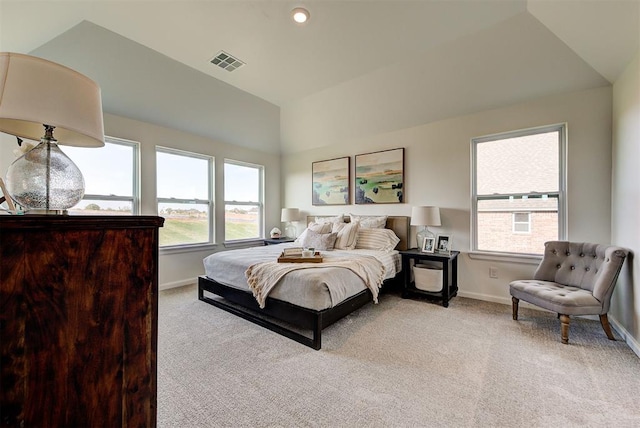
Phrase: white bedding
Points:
(309, 288)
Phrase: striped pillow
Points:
(376, 239)
(347, 234)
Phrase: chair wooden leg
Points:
(564, 328)
(514, 307)
(606, 327)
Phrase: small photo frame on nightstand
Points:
(443, 244)
(428, 245)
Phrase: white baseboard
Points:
(176, 284)
(628, 338)
(495, 299)
(485, 297)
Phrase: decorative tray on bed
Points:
(291, 255)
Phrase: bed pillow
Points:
(347, 235)
(316, 227)
(376, 239)
(319, 227)
(319, 241)
(370, 221)
(334, 219)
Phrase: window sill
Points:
(244, 243)
(178, 249)
(529, 259)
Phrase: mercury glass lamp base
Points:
(290, 231)
(45, 179)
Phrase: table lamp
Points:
(289, 215)
(425, 217)
(39, 96)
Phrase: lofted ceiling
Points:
(161, 49)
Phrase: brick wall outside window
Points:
(495, 232)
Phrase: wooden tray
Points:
(316, 258)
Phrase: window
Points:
(110, 177)
(185, 197)
(521, 222)
(243, 201)
(519, 190)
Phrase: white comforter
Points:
(319, 288)
(263, 277)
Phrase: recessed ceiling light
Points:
(300, 15)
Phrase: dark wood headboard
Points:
(399, 224)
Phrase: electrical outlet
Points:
(493, 272)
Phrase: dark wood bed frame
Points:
(295, 322)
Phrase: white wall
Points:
(437, 172)
(625, 227)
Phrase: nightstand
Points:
(449, 264)
(272, 241)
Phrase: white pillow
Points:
(334, 219)
(370, 221)
(316, 227)
(376, 239)
(347, 235)
(319, 227)
(319, 241)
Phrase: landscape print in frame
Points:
(380, 177)
(331, 182)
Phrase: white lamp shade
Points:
(425, 216)
(34, 92)
(289, 214)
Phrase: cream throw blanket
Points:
(262, 277)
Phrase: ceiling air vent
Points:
(226, 61)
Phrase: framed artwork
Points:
(429, 245)
(330, 182)
(443, 244)
(380, 177)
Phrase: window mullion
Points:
(108, 197)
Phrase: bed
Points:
(297, 312)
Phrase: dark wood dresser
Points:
(78, 320)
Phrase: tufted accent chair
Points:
(573, 278)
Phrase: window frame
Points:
(259, 203)
(210, 194)
(134, 199)
(514, 222)
(561, 194)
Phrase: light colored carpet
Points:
(401, 363)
